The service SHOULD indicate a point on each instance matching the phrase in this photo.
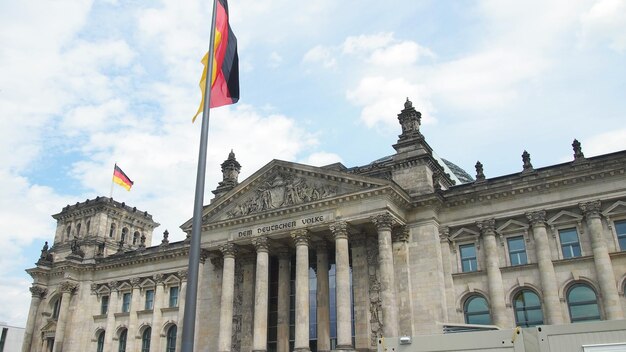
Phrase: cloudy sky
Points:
(84, 84)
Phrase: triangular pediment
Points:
(617, 208)
(281, 185)
(50, 326)
(463, 233)
(512, 226)
(564, 217)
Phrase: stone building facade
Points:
(298, 258)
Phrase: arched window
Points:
(477, 311)
(56, 308)
(171, 339)
(68, 230)
(88, 225)
(582, 303)
(112, 232)
(136, 236)
(100, 346)
(124, 234)
(122, 340)
(145, 340)
(78, 230)
(527, 309)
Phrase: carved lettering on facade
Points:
(282, 190)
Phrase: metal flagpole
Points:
(189, 317)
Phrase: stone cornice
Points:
(114, 208)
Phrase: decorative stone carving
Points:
(142, 243)
(230, 175)
(527, 166)
(113, 285)
(487, 227)
(480, 175)
(165, 241)
(282, 190)
(536, 218)
(68, 286)
(410, 120)
(339, 229)
(38, 291)
(383, 221)
(228, 250)
(444, 233)
(401, 234)
(94, 288)
(578, 152)
(182, 274)
(376, 310)
(300, 237)
(135, 281)
(46, 256)
(590, 209)
(261, 244)
(158, 278)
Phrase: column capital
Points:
(487, 227)
(38, 291)
(339, 229)
(261, 244)
(444, 233)
(590, 209)
(182, 274)
(113, 285)
(536, 218)
(135, 281)
(228, 250)
(401, 234)
(301, 237)
(158, 278)
(383, 221)
(68, 286)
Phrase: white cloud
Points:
(320, 54)
(605, 22)
(403, 53)
(366, 43)
(322, 159)
(275, 60)
(604, 143)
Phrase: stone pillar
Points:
(132, 316)
(494, 276)
(383, 223)
(226, 304)
(67, 288)
(602, 261)
(159, 299)
(261, 301)
(342, 286)
(403, 283)
(446, 259)
(360, 285)
(182, 275)
(37, 293)
(284, 278)
(547, 275)
(247, 303)
(113, 307)
(301, 239)
(323, 304)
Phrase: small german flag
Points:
(225, 72)
(121, 179)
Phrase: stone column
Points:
(67, 288)
(547, 275)
(494, 276)
(159, 299)
(323, 304)
(37, 293)
(446, 259)
(182, 275)
(602, 261)
(113, 307)
(342, 286)
(261, 302)
(360, 285)
(247, 302)
(301, 239)
(383, 223)
(226, 304)
(132, 315)
(284, 278)
(405, 310)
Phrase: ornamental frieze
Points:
(282, 190)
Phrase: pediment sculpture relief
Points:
(282, 190)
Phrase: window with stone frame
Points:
(56, 307)
(620, 230)
(122, 341)
(173, 296)
(570, 243)
(476, 310)
(469, 262)
(582, 303)
(145, 339)
(517, 250)
(112, 231)
(104, 305)
(527, 306)
(126, 297)
(100, 343)
(149, 305)
(171, 339)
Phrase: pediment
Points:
(512, 226)
(50, 326)
(463, 233)
(282, 185)
(617, 208)
(564, 217)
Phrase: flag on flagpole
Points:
(121, 179)
(225, 75)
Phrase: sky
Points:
(86, 84)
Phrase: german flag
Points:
(225, 75)
(121, 179)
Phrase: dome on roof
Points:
(462, 175)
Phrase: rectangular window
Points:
(104, 305)
(517, 250)
(468, 258)
(569, 243)
(620, 228)
(174, 296)
(149, 299)
(126, 303)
